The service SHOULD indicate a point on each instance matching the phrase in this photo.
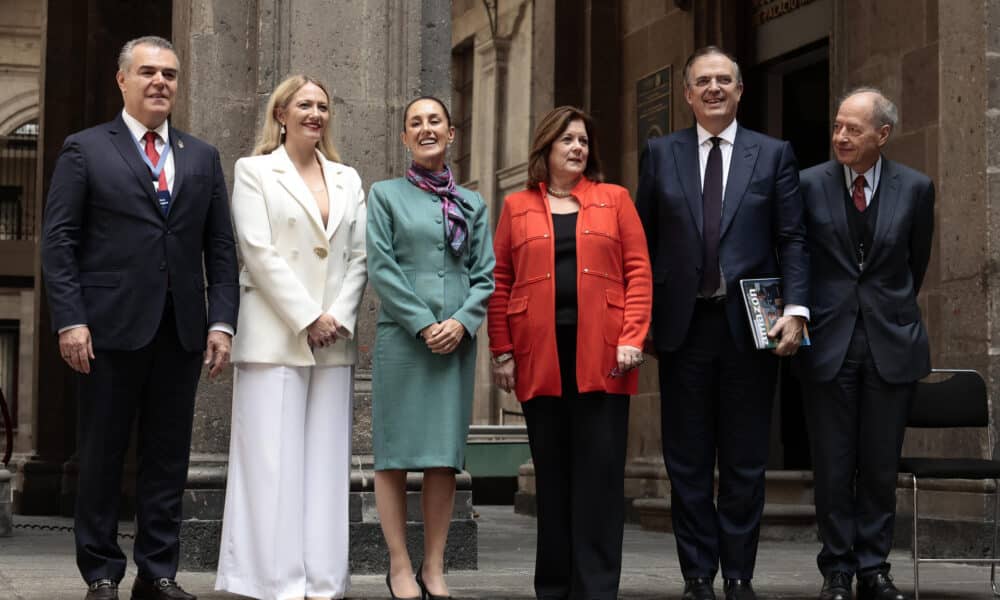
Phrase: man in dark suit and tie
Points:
(869, 222)
(719, 203)
(137, 218)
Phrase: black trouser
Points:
(716, 404)
(856, 427)
(578, 446)
(157, 384)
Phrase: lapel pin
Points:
(180, 143)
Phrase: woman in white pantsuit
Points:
(299, 217)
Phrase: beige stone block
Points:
(636, 60)
(882, 29)
(636, 14)
(931, 12)
(909, 149)
(932, 153)
(919, 99)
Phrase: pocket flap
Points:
(517, 305)
(615, 298)
(100, 279)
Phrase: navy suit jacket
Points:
(885, 290)
(762, 232)
(110, 256)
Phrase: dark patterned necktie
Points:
(858, 195)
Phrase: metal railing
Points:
(18, 159)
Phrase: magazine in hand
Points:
(762, 299)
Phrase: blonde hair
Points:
(270, 133)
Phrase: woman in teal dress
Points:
(430, 258)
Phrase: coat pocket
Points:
(520, 328)
(614, 316)
(106, 279)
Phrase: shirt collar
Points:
(138, 130)
(727, 135)
(871, 175)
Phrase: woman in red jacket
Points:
(566, 325)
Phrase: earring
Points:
(282, 129)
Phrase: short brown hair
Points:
(548, 131)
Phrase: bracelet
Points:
(501, 358)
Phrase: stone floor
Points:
(37, 564)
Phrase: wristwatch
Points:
(500, 359)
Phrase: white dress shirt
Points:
(871, 176)
(138, 131)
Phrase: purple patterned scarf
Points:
(442, 185)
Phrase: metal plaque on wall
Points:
(652, 106)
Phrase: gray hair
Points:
(125, 56)
(884, 112)
(709, 51)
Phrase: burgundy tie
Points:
(858, 195)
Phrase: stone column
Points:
(373, 56)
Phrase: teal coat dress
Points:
(422, 402)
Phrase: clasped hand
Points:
(324, 331)
(443, 337)
(788, 331)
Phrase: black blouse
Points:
(564, 237)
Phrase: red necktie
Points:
(162, 191)
(858, 195)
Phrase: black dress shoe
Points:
(836, 586)
(739, 589)
(698, 588)
(878, 586)
(388, 584)
(159, 589)
(425, 594)
(102, 589)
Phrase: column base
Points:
(6, 503)
(204, 500)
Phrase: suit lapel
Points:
(122, 140)
(833, 191)
(888, 200)
(741, 166)
(686, 160)
(335, 195)
(180, 166)
(289, 178)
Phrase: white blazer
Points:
(295, 269)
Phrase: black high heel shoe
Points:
(388, 584)
(424, 592)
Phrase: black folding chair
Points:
(958, 399)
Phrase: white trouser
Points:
(285, 529)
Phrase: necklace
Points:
(557, 194)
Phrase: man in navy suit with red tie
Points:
(137, 236)
(870, 223)
(719, 203)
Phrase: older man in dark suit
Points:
(869, 222)
(137, 217)
(719, 203)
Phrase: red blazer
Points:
(614, 289)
